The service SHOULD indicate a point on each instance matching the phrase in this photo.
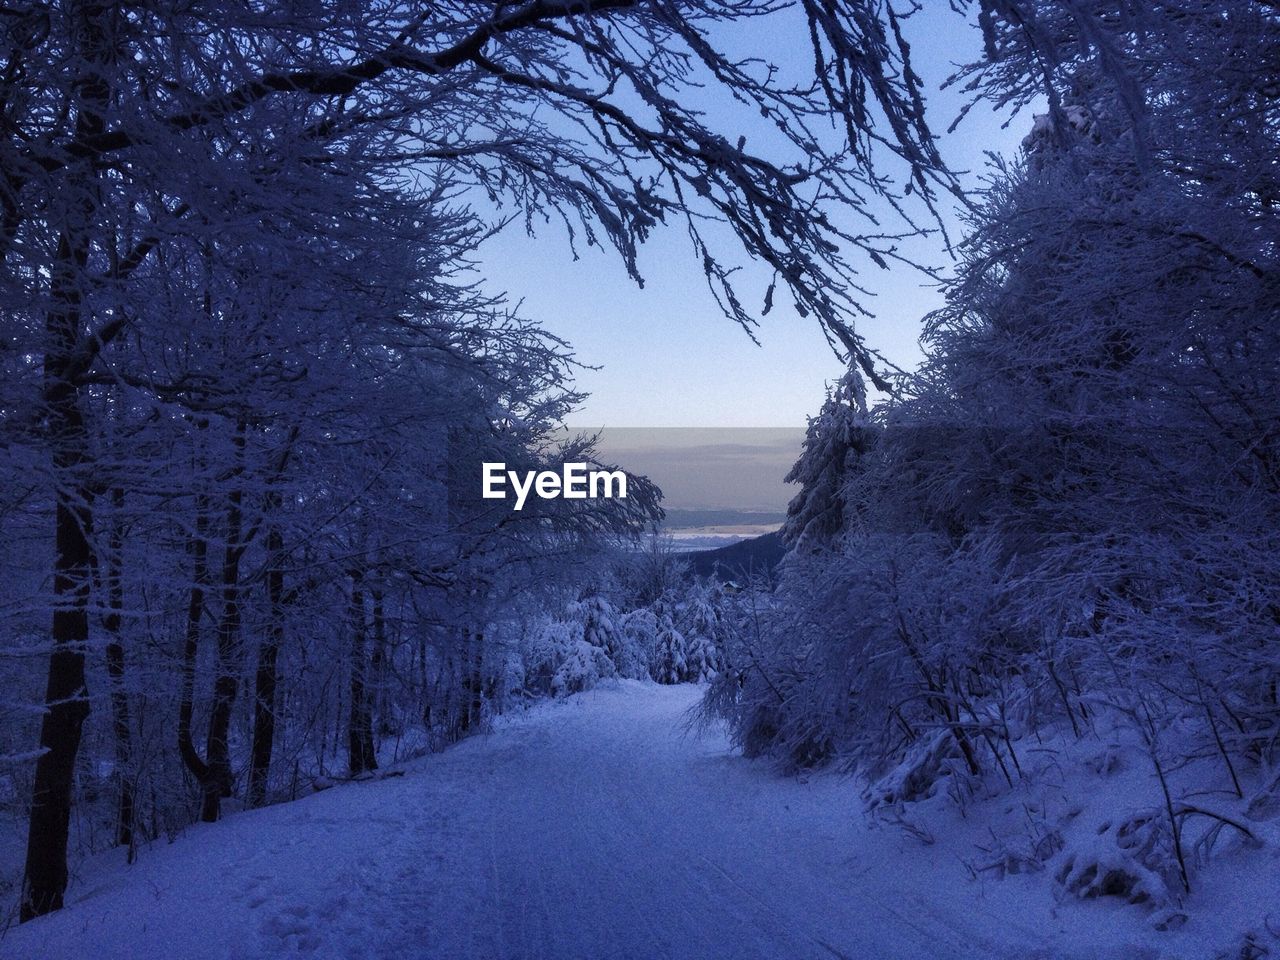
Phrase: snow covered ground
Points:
(592, 828)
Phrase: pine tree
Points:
(835, 443)
(670, 664)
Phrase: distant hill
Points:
(759, 555)
(685, 518)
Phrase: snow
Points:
(595, 827)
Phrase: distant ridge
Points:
(685, 517)
(757, 556)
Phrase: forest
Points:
(251, 377)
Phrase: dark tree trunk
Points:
(44, 879)
(66, 697)
(424, 682)
(266, 678)
(120, 722)
(378, 664)
(473, 681)
(199, 549)
(227, 682)
(361, 756)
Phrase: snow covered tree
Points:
(640, 637)
(670, 655)
(600, 626)
(702, 624)
(835, 441)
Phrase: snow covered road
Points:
(593, 828)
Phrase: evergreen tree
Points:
(670, 658)
(835, 443)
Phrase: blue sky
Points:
(667, 357)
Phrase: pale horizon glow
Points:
(708, 468)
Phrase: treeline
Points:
(1065, 525)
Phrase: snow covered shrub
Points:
(916, 776)
(868, 651)
(1028, 849)
(559, 661)
(582, 666)
(546, 645)
(776, 690)
(1132, 859)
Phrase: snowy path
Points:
(592, 829)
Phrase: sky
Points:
(739, 469)
(665, 355)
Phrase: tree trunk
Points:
(473, 681)
(266, 679)
(424, 682)
(44, 880)
(378, 665)
(120, 722)
(361, 756)
(199, 549)
(66, 697)
(227, 682)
